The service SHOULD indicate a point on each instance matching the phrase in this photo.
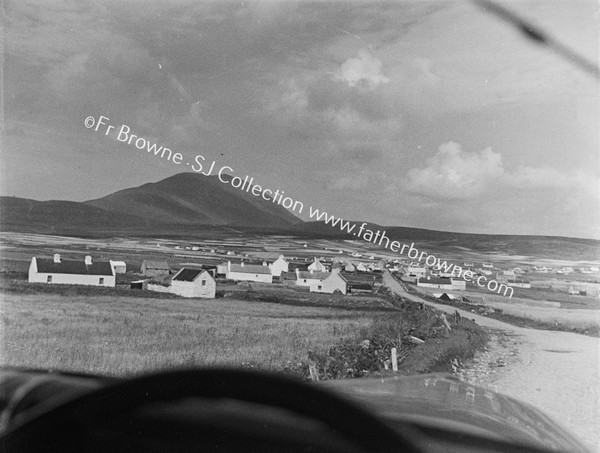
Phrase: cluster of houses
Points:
(319, 277)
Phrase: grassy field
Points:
(121, 335)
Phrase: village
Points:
(344, 271)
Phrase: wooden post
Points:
(394, 360)
(314, 374)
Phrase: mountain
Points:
(179, 203)
(194, 199)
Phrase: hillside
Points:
(193, 199)
(66, 217)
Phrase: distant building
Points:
(334, 282)
(317, 266)
(361, 267)
(337, 265)
(120, 267)
(349, 267)
(441, 283)
(249, 272)
(506, 275)
(444, 296)
(278, 266)
(71, 272)
(152, 268)
(414, 271)
(518, 283)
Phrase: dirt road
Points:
(558, 372)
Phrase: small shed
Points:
(120, 267)
(151, 268)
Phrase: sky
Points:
(433, 115)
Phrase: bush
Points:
(370, 350)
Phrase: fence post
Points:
(394, 360)
(314, 374)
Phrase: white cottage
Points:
(278, 266)
(194, 283)
(71, 272)
(308, 278)
(249, 273)
(335, 282)
(317, 266)
(442, 283)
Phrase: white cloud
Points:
(362, 71)
(454, 174)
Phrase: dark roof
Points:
(368, 278)
(48, 266)
(436, 280)
(187, 275)
(365, 286)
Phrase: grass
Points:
(121, 336)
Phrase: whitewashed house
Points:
(416, 271)
(308, 278)
(361, 267)
(506, 275)
(317, 266)
(349, 267)
(197, 283)
(518, 283)
(71, 272)
(120, 267)
(334, 282)
(249, 273)
(441, 283)
(194, 283)
(278, 266)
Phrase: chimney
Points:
(88, 260)
(228, 266)
(297, 273)
(264, 263)
(57, 257)
(242, 264)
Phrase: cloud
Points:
(364, 71)
(455, 174)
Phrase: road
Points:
(558, 372)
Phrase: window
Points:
(49, 279)
(319, 287)
(203, 282)
(101, 280)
